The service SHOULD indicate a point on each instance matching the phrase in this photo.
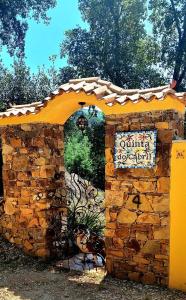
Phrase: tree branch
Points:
(176, 19)
(181, 49)
(181, 77)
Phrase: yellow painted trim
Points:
(177, 266)
(61, 107)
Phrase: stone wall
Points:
(137, 236)
(33, 174)
(34, 205)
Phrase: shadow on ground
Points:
(26, 278)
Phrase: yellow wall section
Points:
(177, 275)
(63, 106)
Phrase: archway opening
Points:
(84, 160)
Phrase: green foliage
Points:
(66, 73)
(14, 20)
(116, 45)
(85, 152)
(94, 222)
(19, 85)
(78, 155)
(169, 28)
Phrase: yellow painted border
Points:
(61, 107)
(177, 263)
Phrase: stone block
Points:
(24, 200)
(115, 253)
(15, 143)
(140, 260)
(162, 233)
(118, 243)
(109, 169)
(122, 232)
(165, 136)
(9, 207)
(151, 247)
(161, 257)
(26, 192)
(115, 185)
(141, 236)
(113, 198)
(20, 163)
(38, 142)
(7, 149)
(108, 155)
(149, 278)
(107, 215)
(165, 220)
(33, 223)
(148, 218)
(43, 223)
(26, 212)
(160, 203)
(43, 172)
(163, 185)
(111, 225)
(162, 125)
(109, 232)
(144, 186)
(126, 216)
(42, 206)
(113, 216)
(134, 276)
(26, 127)
(36, 172)
(144, 205)
(28, 246)
(22, 176)
(41, 161)
(109, 265)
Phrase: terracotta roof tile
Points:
(101, 91)
(104, 90)
(89, 79)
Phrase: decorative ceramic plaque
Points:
(135, 149)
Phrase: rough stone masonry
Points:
(33, 170)
(137, 235)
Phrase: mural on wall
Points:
(135, 149)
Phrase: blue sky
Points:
(43, 40)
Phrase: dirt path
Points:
(26, 284)
(25, 278)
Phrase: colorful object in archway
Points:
(82, 123)
(135, 149)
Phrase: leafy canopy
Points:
(19, 85)
(169, 27)
(85, 152)
(14, 20)
(115, 46)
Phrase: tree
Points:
(169, 27)
(78, 155)
(85, 152)
(66, 73)
(115, 46)
(13, 20)
(20, 86)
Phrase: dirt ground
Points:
(26, 278)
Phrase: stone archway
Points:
(137, 237)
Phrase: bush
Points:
(85, 152)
